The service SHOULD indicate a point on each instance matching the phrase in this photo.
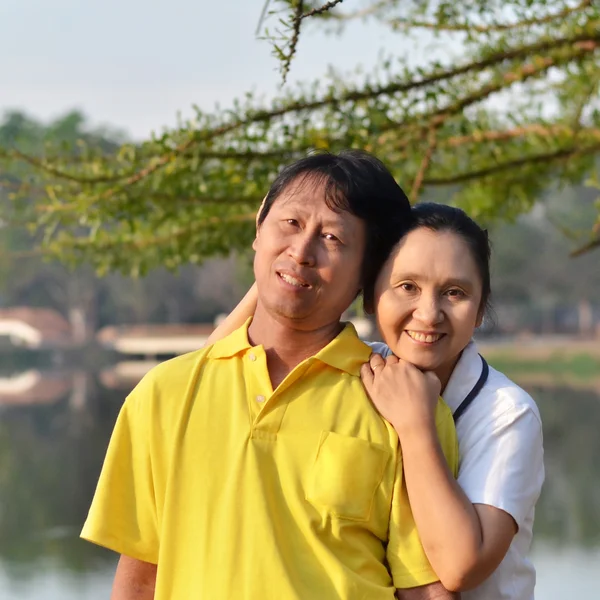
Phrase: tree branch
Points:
(557, 155)
(591, 245)
(323, 9)
(263, 14)
(361, 13)
(142, 243)
(408, 23)
(418, 181)
(356, 95)
(296, 23)
(537, 130)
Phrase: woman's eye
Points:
(455, 293)
(330, 237)
(408, 287)
(292, 222)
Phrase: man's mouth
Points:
(293, 280)
(424, 338)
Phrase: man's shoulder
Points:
(175, 371)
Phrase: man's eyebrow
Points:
(338, 224)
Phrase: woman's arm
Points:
(465, 543)
(237, 317)
(433, 591)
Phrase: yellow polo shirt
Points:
(240, 492)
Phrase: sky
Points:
(133, 64)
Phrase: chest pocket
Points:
(345, 476)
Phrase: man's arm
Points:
(134, 580)
(433, 591)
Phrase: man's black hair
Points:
(356, 182)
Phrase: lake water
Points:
(54, 429)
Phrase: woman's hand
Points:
(404, 395)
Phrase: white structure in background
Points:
(154, 340)
(35, 328)
(34, 387)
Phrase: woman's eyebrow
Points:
(459, 281)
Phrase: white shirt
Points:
(501, 464)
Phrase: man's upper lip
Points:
(295, 275)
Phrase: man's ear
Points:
(262, 205)
(368, 304)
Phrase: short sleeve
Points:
(406, 557)
(123, 514)
(502, 461)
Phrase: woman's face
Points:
(428, 300)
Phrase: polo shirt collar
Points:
(346, 352)
(232, 344)
(464, 377)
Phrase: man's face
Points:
(308, 258)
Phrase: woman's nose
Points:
(428, 311)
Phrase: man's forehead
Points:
(303, 187)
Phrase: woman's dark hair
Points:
(441, 217)
(356, 182)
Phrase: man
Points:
(257, 468)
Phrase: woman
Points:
(429, 298)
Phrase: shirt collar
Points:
(232, 344)
(464, 377)
(346, 352)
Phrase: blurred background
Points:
(136, 142)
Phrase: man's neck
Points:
(286, 346)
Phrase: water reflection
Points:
(55, 426)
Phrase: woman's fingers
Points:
(366, 374)
(376, 362)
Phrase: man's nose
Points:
(428, 310)
(303, 250)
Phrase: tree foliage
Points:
(504, 105)
(28, 278)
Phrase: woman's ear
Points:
(480, 316)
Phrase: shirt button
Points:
(260, 398)
(252, 356)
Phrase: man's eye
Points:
(330, 237)
(408, 287)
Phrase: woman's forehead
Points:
(435, 250)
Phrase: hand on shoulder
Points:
(404, 395)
